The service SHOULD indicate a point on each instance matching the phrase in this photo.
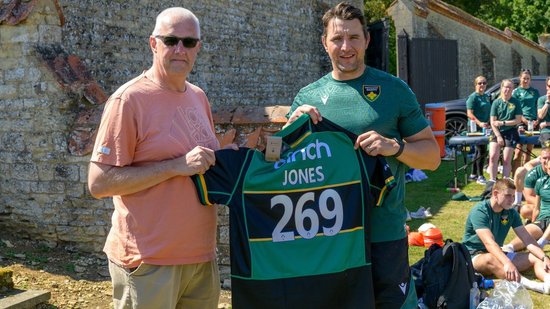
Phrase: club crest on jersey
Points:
(371, 92)
(504, 219)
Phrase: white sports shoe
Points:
(421, 213)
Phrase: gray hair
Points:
(174, 14)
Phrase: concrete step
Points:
(19, 299)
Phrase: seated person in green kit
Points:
(525, 178)
(487, 225)
(539, 227)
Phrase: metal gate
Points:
(433, 69)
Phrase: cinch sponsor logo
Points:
(312, 151)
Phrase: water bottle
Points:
(474, 296)
(530, 126)
(473, 126)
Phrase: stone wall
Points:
(254, 52)
(421, 19)
(61, 59)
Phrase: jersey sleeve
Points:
(494, 108)
(516, 219)
(411, 119)
(219, 184)
(116, 137)
(531, 179)
(380, 177)
(470, 102)
(519, 110)
(540, 101)
(479, 218)
(515, 93)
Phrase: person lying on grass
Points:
(486, 227)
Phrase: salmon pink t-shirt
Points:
(164, 224)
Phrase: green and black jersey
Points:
(299, 233)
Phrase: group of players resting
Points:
(489, 222)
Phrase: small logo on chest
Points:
(371, 92)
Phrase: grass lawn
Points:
(448, 215)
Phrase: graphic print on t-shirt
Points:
(189, 128)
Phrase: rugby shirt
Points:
(298, 227)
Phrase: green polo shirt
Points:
(533, 175)
(482, 216)
(540, 104)
(480, 106)
(506, 110)
(374, 101)
(527, 97)
(542, 189)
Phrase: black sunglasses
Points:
(482, 83)
(173, 41)
(526, 71)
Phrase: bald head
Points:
(171, 16)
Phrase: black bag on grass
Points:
(444, 276)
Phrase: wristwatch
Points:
(401, 147)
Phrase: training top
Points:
(540, 104)
(299, 232)
(542, 189)
(480, 106)
(375, 101)
(528, 99)
(533, 175)
(482, 216)
(506, 110)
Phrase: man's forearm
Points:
(421, 154)
(105, 180)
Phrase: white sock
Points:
(508, 248)
(532, 285)
(546, 284)
(518, 197)
(542, 242)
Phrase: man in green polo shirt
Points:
(382, 110)
(487, 225)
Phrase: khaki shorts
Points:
(172, 286)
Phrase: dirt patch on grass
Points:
(75, 279)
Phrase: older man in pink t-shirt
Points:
(155, 132)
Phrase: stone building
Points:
(60, 60)
(473, 48)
